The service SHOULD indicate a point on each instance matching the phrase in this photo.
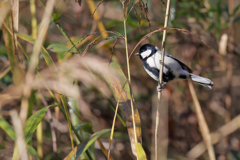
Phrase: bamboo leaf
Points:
(32, 123)
(121, 91)
(235, 154)
(44, 52)
(32, 151)
(78, 150)
(87, 127)
(31, 103)
(64, 102)
(130, 5)
(60, 47)
(140, 152)
(235, 10)
(7, 128)
(56, 17)
(122, 83)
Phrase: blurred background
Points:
(210, 50)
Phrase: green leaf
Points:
(56, 17)
(2, 146)
(60, 47)
(86, 144)
(32, 151)
(117, 135)
(52, 155)
(44, 52)
(236, 19)
(87, 127)
(235, 154)
(33, 121)
(235, 10)
(140, 152)
(113, 22)
(7, 128)
(31, 103)
(131, 3)
(3, 50)
(133, 22)
(81, 148)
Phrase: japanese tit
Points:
(173, 68)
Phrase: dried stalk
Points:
(216, 136)
(129, 76)
(202, 123)
(34, 60)
(160, 76)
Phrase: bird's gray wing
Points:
(184, 66)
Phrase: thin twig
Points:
(94, 42)
(49, 114)
(126, 46)
(132, 7)
(91, 34)
(5, 72)
(112, 131)
(97, 7)
(112, 52)
(144, 8)
(161, 74)
(146, 36)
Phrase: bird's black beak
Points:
(137, 54)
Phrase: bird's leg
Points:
(160, 88)
(164, 83)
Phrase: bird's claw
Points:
(160, 89)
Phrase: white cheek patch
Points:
(146, 53)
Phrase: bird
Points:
(150, 56)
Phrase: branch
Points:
(160, 76)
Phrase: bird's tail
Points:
(202, 81)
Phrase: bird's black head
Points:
(146, 51)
